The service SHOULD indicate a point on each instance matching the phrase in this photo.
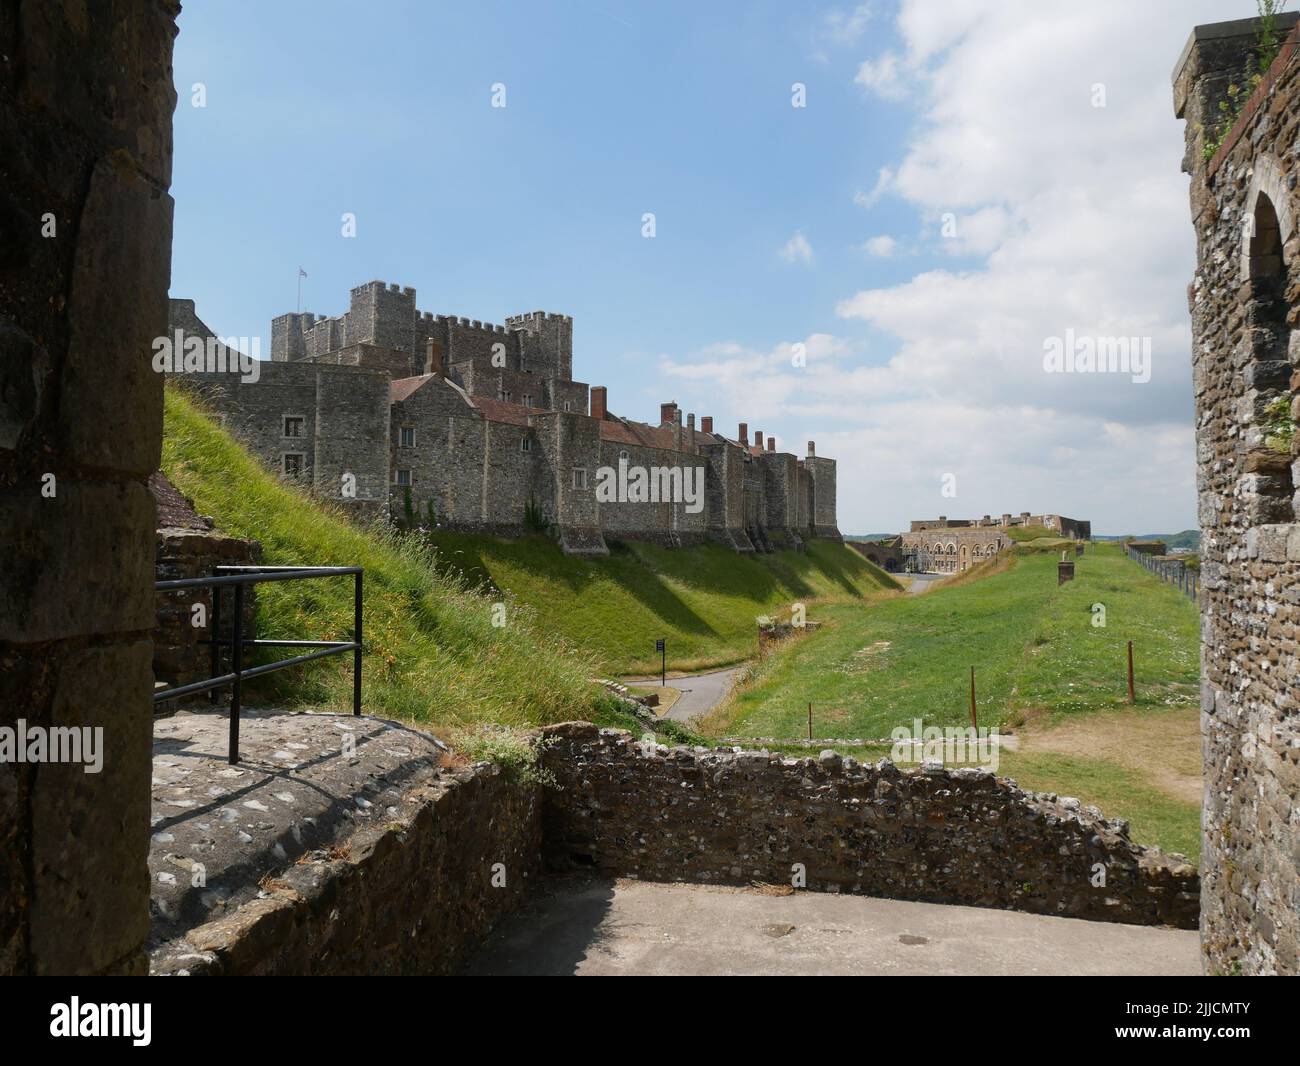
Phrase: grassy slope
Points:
(1033, 646)
(703, 601)
(433, 654)
(1038, 656)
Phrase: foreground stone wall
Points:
(1245, 306)
(960, 836)
(86, 100)
(412, 896)
(178, 657)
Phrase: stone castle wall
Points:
(419, 892)
(495, 424)
(956, 836)
(1245, 309)
(411, 896)
(86, 99)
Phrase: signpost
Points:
(661, 646)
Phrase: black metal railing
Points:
(239, 577)
(1175, 571)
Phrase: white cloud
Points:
(797, 249)
(1067, 217)
(882, 246)
(845, 26)
(883, 181)
(883, 76)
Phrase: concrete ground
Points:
(603, 927)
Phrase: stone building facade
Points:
(1073, 528)
(476, 426)
(1245, 310)
(950, 551)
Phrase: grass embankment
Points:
(703, 601)
(1043, 667)
(432, 652)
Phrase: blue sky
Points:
(775, 225)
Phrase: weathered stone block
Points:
(76, 557)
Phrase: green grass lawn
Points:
(1042, 667)
(1033, 645)
(432, 652)
(702, 600)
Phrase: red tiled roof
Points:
(753, 449)
(627, 432)
(401, 388)
(514, 414)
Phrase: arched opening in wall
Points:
(1267, 375)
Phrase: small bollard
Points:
(1064, 571)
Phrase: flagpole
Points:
(300, 290)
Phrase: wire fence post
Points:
(973, 721)
(1132, 698)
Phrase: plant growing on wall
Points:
(534, 520)
(1267, 44)
(1279, 427)
(408, 509)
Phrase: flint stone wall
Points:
(1245, 310)
(957, 836)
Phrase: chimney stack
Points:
(433, 357)
(812, 448)
(706, 424)
(667, 414)
(598, 395)
(771, 444)
(744, 433)
(758, 438)
(690, 422)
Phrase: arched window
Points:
(1267, 481)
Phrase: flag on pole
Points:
(302, 273)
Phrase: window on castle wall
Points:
(525, 444)
(408, 437)
(1268, 375)
(579, 477)
(293, 425)
(403, 477)
(567, 405)
(528, 400)
(291, 463)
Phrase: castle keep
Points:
(1245, 307)
(478, 426)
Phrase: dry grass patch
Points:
(1163, 746)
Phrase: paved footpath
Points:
(611, 928)
(699, 693)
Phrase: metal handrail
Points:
(240, 577)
